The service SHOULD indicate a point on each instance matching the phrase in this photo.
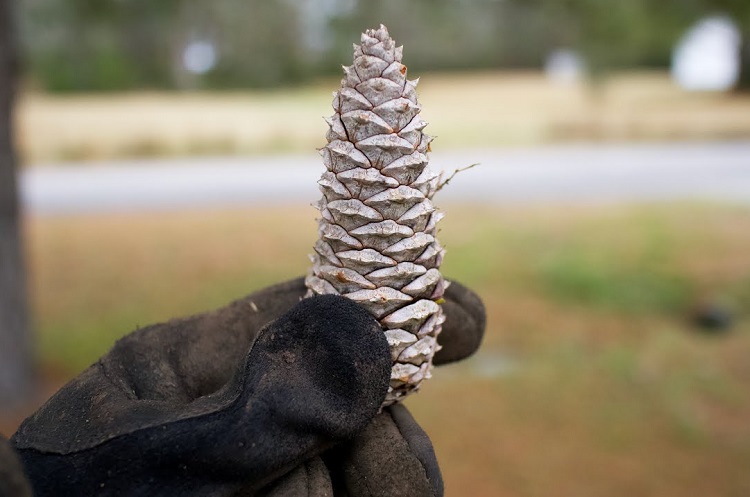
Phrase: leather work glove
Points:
(182, 408)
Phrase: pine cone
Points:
(377, 241)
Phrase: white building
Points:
(707, 58)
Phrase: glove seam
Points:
(141, 429)
(308, 478)
(357, 468)
(129, 393)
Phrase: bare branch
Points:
(459, 170)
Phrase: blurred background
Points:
(165, 163)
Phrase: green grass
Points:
(624, 262)
(595, 278)
(605, 387)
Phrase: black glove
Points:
(393, 456)
(181, 409)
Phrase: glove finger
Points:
(150, 375)
(310, 479)
(420, 445)
(314, 377)
(465, 320)
(391, 456)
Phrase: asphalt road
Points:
(556, 174)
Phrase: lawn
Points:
(592, 379)
(464, 110)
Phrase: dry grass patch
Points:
(470, 109)
(95, 278)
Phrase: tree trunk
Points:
(15, 346)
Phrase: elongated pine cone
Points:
(377, 242)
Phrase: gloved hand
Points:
(182, 408)
(393, 456)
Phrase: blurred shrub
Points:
(88, 45)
